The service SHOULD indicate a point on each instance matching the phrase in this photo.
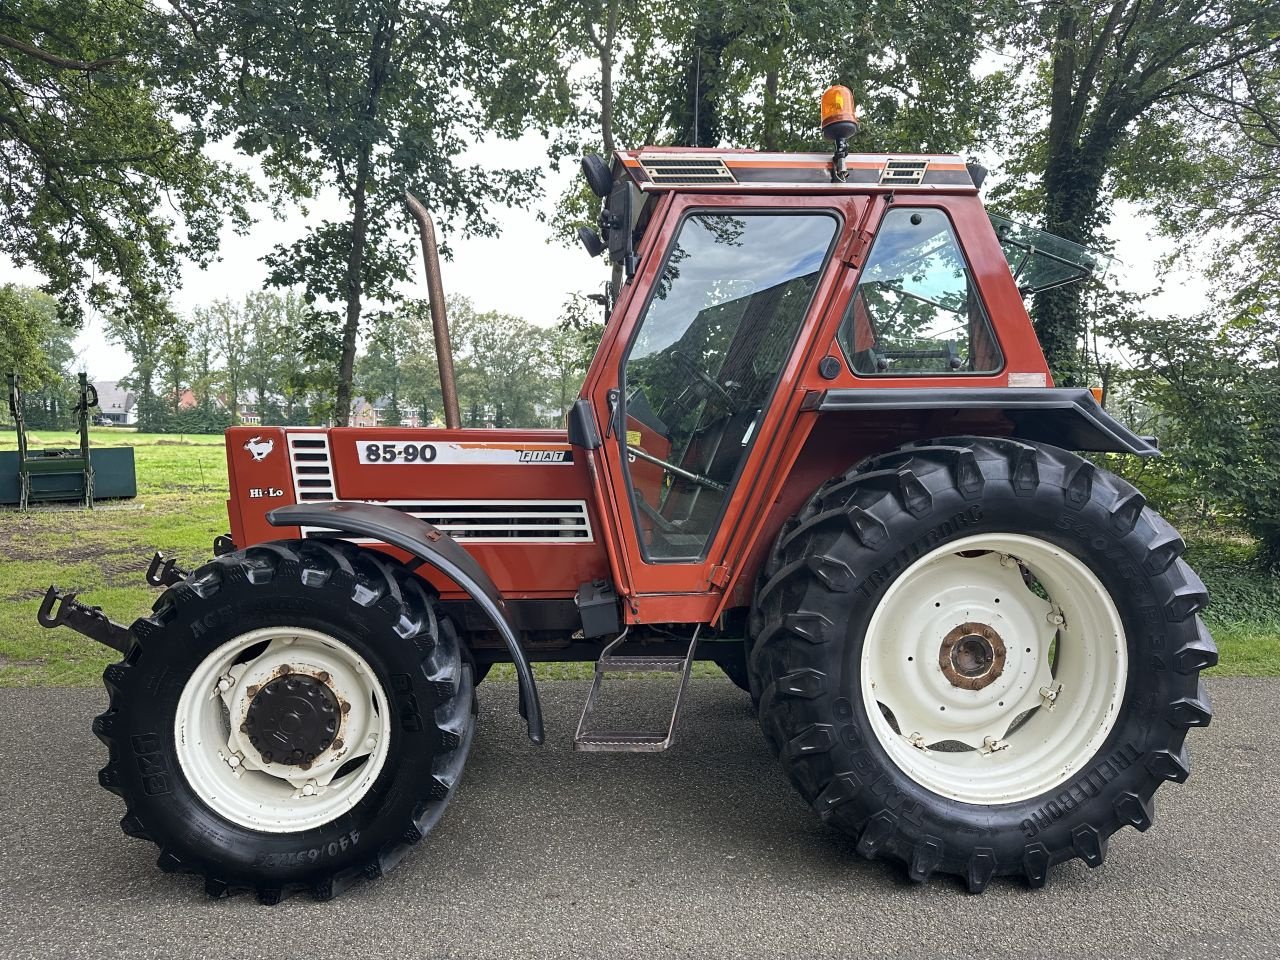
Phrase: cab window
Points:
(916, 309)
(705, 361)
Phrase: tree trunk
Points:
(771, 135)
(696, 112)
(350, 329)
(605, 47)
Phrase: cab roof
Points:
(656, 169)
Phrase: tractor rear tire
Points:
(297, 644)
(1069, 702)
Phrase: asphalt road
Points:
(704, 851)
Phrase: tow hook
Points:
(164, 571)
(60, 609)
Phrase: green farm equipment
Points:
(79, 474)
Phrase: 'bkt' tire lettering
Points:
(152, 766)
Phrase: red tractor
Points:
(818, 445)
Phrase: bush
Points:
(1211, 395)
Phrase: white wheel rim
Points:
(1033, 723)
(233, 778)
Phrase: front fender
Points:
(435, 548)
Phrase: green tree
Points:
(202, 336)
(501, 367)
(172, 369)
(28, 325)
(420, 372)
(38, 347)
(361, 97)
(571, 345)
(231, 340)
(144, 333)
(1211, 393)
(105, 190)
(1121, 87)
(379, 372)
(745, 73)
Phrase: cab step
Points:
(633, 741)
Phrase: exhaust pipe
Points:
(439, 322)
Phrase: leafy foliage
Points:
(744, 73)
(102, 188)
(1114, 91)
(363, 97)
(32, 342)
(1211, 394)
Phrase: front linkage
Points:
(62, 609)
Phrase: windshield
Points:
(1040, 261)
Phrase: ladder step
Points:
(640, 664)
(633, 741)
(622, 742)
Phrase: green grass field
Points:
(102, 554)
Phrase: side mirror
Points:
(616, 221)
(599, 179)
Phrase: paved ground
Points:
(701, 852)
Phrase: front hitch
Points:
(164, 571)
(60, 609)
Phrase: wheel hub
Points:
(292, 720)
(972, 656)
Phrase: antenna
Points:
(697, 92)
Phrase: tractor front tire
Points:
(293, 716)
(980, 657)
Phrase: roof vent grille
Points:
(675, 171)
(908, 172)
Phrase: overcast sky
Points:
(521, 271)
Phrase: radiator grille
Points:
(676, 170)
(530, 521)
(311, 466)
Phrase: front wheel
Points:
(980, 657)
(292, 716)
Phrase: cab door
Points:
(690, 399)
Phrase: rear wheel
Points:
(292, 716)
(980, 657)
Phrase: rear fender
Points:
(1062, 416)
(436, 549)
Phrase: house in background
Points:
(373, 413)
(116, 404)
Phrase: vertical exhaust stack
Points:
(439, 322)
